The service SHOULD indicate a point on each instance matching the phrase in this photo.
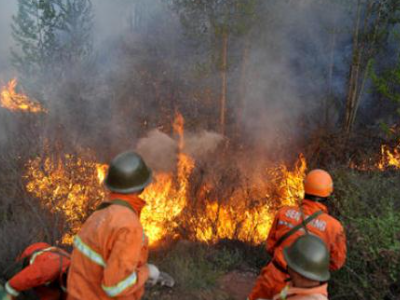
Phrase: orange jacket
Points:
(46, 265)
(324, 226)
(292, 293)
(110, 254)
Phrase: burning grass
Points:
(72, 185)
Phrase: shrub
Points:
(368, 205)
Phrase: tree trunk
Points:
(327, 105)
(241, 110)
(354, 75)
(224, 63)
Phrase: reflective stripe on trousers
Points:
(95, 257)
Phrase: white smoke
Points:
(159, 150)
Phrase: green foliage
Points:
(227, 259)
(208, 22)
(387, 82)
(367, 205)
(50, 33)
(189, 265)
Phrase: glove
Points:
(154, 274)
(166, 280)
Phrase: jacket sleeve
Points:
(30, 277)
(272, 238)
(123, 275)
(338, 249)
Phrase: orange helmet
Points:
(318, 183)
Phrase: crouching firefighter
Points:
(110, 253)
(290, 223)
(40, 269)
(308, 267)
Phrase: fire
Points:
(14, 101)
(167, 196)
(72, 186)
(101, 172)
(389, 158)
(238, 219)
(67, 185)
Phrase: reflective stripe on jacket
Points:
(110, 255)
(292, 293)
(324, 226)
(46, 265)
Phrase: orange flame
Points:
(101, 172)
(167, 196)
(238, 219)
(73, 186)
(389, 158)
(66, 184)
(14, 101)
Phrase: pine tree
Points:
(50, 34)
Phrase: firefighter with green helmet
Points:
(111, 250)
(308, 266)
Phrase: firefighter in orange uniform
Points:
(308, 267)
(43, 270)
(110, 252)
(289, 224)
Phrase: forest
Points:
(230, 103)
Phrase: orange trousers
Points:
(270, 282)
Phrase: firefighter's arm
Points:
(338, 250)
(272, 239)
(123, 275)
(30, 277)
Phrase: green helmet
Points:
(128, 174)
(309, 257)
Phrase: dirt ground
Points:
(237, 285)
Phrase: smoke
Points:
(160, 150)
(7, 9)
(144, 67)
(288, 71)
(199, 145)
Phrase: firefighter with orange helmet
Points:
(290, 223)
(41, 268)
(110, 252)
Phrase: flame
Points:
(237, 219)
(167, 196)
(67, 184)
(389, 158)
(14, 101)
(73, 187)
(101, 172)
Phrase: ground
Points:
(237, 284)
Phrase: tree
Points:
(386, 82)
(216, 22)
(50, 34)
(374, 19)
